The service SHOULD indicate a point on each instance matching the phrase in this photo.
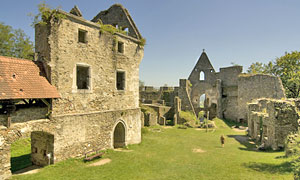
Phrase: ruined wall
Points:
(165, 95)
(42, 148)
(115, 16)
(92, 110)
(276, 119)
(100, 54)
(257, 86)
(229, 79)
(24, 115)
(80, 133)
(160, 113)
(15, 132)
(184, 94)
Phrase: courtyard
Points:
(167, 152)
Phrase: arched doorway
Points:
(119, 136)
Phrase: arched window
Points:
(202, 76)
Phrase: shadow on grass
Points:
(285, 167)
(231, 123)
(20, 162)
(244, 140)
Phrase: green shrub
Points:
(142, 42)
(46, 13)
(189, 118)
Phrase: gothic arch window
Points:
(202, 76)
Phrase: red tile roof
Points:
(21, 79)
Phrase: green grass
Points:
(20, 154)
(168, 155)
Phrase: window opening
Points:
(120, 47)
(120, 80)
(83, 77)
(202, 76)
(82, 36)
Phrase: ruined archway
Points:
(119, 135)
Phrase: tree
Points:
(260, 68)
(15, 43)
(256, 68)
(286, 67)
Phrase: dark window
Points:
(120, 47)
(83, 78)
(82, 36)
(120, 80)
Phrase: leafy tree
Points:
(287, 67)
(256, 68)
(260, 68)
(15, 43)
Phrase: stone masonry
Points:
(271, 121)
(226, 92)
(97, 76)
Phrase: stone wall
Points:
(97, 75)
(15, 132)
(100, 54)
(80, 133)
(42, 148)
(161, 114)
(184, 91)
(24, 115)
(271, 120)
(257, 86)
(164, 96)
(229, 80)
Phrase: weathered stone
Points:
(271, 121)
(97, 76)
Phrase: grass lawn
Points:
(169, 155)
(20, 154)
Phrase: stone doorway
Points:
(119, 136)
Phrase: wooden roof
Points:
(21, 79)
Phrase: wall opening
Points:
(82, 77)
(120, 47)
(119, 136)
(20, 154)
(126, 30)
(120, 80)
(202, 76)
(82, 36)
(202, 101)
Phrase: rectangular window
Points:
(82, 36)
(120, 80)
(83, 77)
(120, 47)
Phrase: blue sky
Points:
(239, 31)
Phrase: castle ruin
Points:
(82, 93)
